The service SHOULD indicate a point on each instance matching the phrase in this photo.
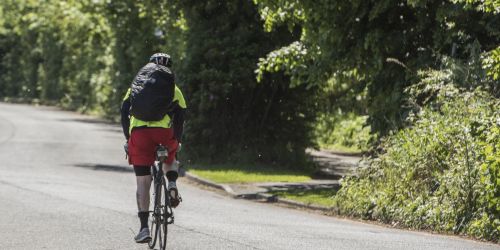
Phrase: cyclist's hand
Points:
(179, 146)
(125, 147)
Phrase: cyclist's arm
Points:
(178, 122)
(125, 115)
(179, 114)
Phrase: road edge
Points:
(212, 184)
(261, 196)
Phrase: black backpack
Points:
(152, 92)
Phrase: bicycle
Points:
(162, 214)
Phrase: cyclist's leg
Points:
(143, 178)
(141, 157)
(172, 175)
(170, 167)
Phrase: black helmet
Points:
(162, 59)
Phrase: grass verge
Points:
(244, 174)
(341, 149)
(321, 197)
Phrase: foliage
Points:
(343, 132)
(289, 59)
(491, 62)
(482, 5)
(440, 173)
(49, 60)
(386, 42)
(79, 54)
(232, 117)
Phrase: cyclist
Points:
(142, 140)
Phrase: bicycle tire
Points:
(155, 215)
(163, 227)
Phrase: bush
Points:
(442, 172)
(344, 132)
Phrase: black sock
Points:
(172, 175)
(143, 216)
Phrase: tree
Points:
(376, 44)
(232, 117)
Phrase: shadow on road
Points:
(252, 191)
(333, 165)
(88, 120)
(109, 125)
(104, 167)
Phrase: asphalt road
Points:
(64, 184)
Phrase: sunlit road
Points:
(64, 184)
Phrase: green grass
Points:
(322, 197)
(341, 148)
(245, 174)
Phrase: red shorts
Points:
(143, 142)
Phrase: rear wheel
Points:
(161, 215)
(155, 219)
(164, 216)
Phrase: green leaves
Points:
(341, 36)
(343, 132)
(276, 13)
(482, 5)
(292, 60)
(441, 172)
(491, 62)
